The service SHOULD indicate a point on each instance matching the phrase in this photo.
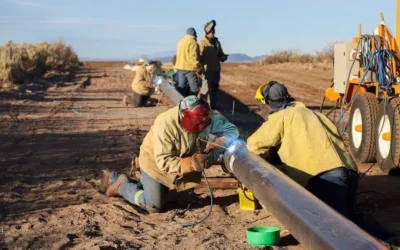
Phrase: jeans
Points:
(188, 83)
(139, 100)
(338, 189)
(213, 78)
(147, 191)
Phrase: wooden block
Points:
(219, 183)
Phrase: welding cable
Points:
(366, 58)
(352, 98)
(323, 99)
(209, 210)
(78, 111)
(348, 79)
(384, 70)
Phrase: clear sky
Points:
(126, 28)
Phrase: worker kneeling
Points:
(311, 151)
(171, 156)
(142, 85)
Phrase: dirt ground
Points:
(51, 157)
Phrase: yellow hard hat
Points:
(259, 94)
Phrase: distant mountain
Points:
(233, 58)
(163, 59)
(242, 58)
(166, 56)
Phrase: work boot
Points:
(149, 208)
(127, 100)
(113, 189)
(105, 182)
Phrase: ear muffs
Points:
(267, 89)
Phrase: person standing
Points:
(187, 64)
(211, 56)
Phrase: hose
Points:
(78, 111)
(209, 210)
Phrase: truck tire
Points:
(362, 127)
(388, 135)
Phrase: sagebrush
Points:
(19, 62)
(325, 56)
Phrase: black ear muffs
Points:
(267, 89)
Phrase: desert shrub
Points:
(324, 56)
(21, 61)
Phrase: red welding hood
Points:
(196, 120)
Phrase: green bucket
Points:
(263, 236)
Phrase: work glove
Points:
(219, 143)
(148, 85)
(223, 58)
(195, 163)
(198, 70)
(216, 148)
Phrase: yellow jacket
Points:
(142, 77)
(167, 142)
(210, 54)
(187, 53)
(308, 142)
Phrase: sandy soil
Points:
(51, 160)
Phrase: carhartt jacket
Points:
(166, 143)
(187, 53)
(308, 143)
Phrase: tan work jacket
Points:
(308, 142)
(166, 143)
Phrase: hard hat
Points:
(194, 114)
(144, 60)
(263, 92)
(259, 94)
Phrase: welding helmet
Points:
(194, 114)
(210, 26)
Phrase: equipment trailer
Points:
(367, 85)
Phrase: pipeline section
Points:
(309, 220)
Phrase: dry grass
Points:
(324, 56)
(19, 62)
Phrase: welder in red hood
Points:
(169, 156)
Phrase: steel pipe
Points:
(313, 223)
(308, 219)
(170, 92)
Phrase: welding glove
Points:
(216, 148)
(204, 88)
(197, 162)
(148, 85)
(198, 70)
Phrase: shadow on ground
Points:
(50, 170)
(35, 89)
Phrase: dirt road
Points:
(51, 160)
